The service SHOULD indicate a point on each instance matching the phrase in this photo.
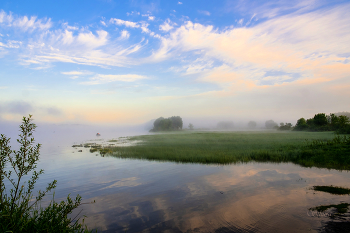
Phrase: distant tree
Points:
(251, 124)
(347, 114)
(190, 126)
(225, 125)
(323, 122)
(287, 126)
(301, 125)
(270, 124)
(157, 124)
(320, 119)
(167, 124)
(310, 122)
(176, 122)
(343, 120)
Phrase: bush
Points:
(19, 210)
(344, 130)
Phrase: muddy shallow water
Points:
(149, 196)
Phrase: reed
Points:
(319, 149)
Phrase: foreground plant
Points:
(19, 209)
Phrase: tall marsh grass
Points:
(308, 149)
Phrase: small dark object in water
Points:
(221, 192)
(80, 150)
(98, 134)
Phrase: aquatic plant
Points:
(341, 208)
(332, 189)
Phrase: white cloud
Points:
(145, 29)
(124, 34)
(132, 13)
(125, 23)
(83, 72)
(150, 17)
(24, 23)
(166, 26)
(66, 26)
(11, 44)
(5, 18)
(307, 44)
(3, 87)
(204, 12)
(179, 3)
(77, 74)
(83, 48)
(101, 79)
(91, 40)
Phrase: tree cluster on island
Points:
(167, 124)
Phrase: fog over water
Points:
(149, 196)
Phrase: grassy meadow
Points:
(309, 149)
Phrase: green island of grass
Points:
(308, 149)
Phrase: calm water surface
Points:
(146, 196)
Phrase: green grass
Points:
(332, 190)
(305, 148)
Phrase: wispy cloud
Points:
(294, 43)
(68, 27)
(121, 22)
(77, 74)
(167, 25)
(24, 23)
(83, 47)
(124, 34)
(204, 12)
(102, 78)
(11, 44)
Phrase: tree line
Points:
(323, 122)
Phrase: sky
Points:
(127, 62)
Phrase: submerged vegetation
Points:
(320, 149)
(340, 208)
(332, 190)
(20, 211)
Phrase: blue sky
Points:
(126, 62)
